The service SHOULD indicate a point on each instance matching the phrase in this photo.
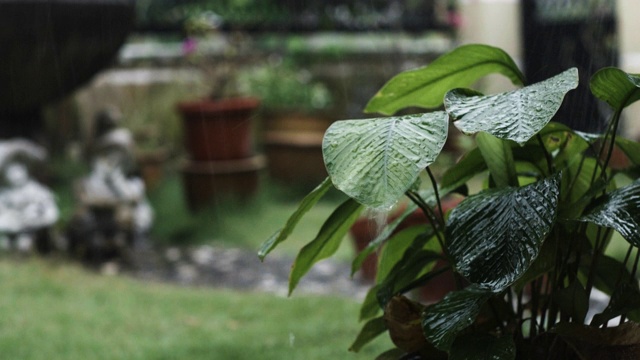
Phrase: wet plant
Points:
(528, 250)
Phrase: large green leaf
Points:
(615, 87)
(515, 115)
(498, 156)
(493, 237)
(307, 203)
(425, 87)
(619, 210)
(375, 161)
(481, 346)
(369, 331)
(326, 242)
(443, 321)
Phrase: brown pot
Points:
(295, 157)
(207, 183)
(291, 120)
(218, 129)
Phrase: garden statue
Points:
(27, 208)
(113, 212)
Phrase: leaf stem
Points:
(434, 184)
(426, 209)
(547, 155)
(611, 132)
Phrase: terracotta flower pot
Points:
(218, 129)
(206, 183)
(291, 120)
(295, 157)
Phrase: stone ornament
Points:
(27, 208)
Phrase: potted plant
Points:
(529, 247)
(220, 126)
(218, 130)
(295, 116)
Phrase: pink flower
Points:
(189, 46)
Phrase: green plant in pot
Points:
(288, 92)
(528, 249)
(217, 127)
(294, 117)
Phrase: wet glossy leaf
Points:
(369, 331)
(425, 87)
(516, 115)
(375, 161)
(493, 237)
(307, 203)
(480, 346)
(619, 210)
(615, 87)
(326, 242)
(544, 263)
(443, 321)
(499, 159)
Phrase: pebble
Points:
(241, 269)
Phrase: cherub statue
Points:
(27, 208)
(113, 208)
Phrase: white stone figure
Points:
(108, 189)
(108, 182)
(27, 208)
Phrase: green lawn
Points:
(50, 310)
(239, 224)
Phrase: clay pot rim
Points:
(254, 163)
(295, 139)
(227, 105)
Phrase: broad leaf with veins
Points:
(515, 115)
(375, 161)
(619, 210)
(493, 237)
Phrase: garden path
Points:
(239, 269)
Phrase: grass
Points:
(238, 224)
(50, 310)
